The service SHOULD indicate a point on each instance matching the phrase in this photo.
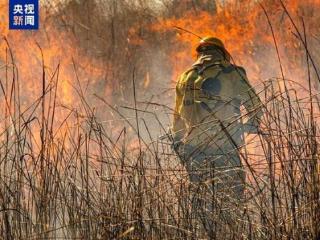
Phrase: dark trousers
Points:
(217, 181)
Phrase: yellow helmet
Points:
(209, 43)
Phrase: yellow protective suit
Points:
(207, 124)
(207, 120)
(208, 99)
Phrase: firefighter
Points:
(207, 126)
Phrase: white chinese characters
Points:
(17, 9)
(29, 9)
(29, 20)
(18, 20)
(24, 15)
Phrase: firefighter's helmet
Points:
(209, 43)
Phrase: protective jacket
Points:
(208, 100)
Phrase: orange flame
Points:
(244, 29)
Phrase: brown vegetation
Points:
(66, 173)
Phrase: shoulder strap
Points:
(203, 68)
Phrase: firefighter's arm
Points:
(251, 101)
(178, 128)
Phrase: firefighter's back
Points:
(211, 98)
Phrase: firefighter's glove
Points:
(176, 143)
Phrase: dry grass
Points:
(71, 178)
(78, 182)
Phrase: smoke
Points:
(102, 46)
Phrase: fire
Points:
(242, 25)
(246, 33)
(68, 70)
(51, 50)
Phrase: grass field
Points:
(67, 173)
